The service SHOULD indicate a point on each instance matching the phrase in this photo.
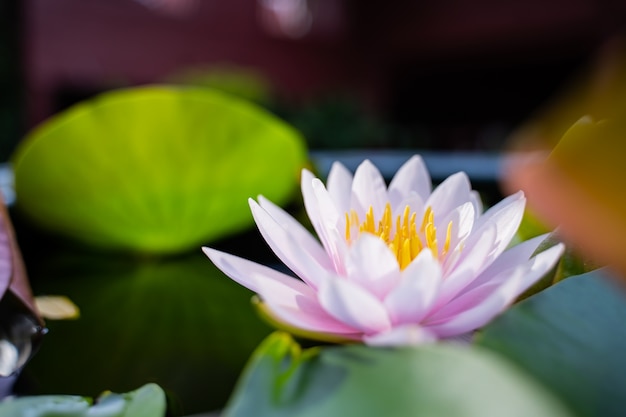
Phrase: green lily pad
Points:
(356, 380)
(178, 323)
(147, 401)
(572, 338)
(155, 169)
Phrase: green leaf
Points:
(530, 227)
(572, 338)
(179, 323)
(45, 406)
(438, 380)
(571, 264)
(147, 401)
(155, 169)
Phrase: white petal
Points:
(353, 305)
(310, 201)
(413, 200)
(326, 208)
(472, 263)
(517, 255)
(339, 186)
(368, 189)
(371, 265)
(462, 219)
(330, 220)
(506, 216)
(296, 248)
(409, 335)
(462, 303)
(290, 300)
(486, 307)
(295, 229)
(416, 293)
(477, 202)
(324, 217)
(412, 177)
(264, 281)
(492, 279)
(451, 193)
(308, 315)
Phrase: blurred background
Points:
(452, 80)
(447, 75)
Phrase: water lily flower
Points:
(395, 265)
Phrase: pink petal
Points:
(310, 201)
(517, 255)
(412, 298)
(339, 186)
(308, 315)
(296, 248)
(413, 200)
(353, 305)
(464, 302)
(477, 202)
(473, 261)
(371, 265)
(324, 218)
(295, 229)
(451, 193)
(289, 299)
(408, 335)
(412, 177)
(507, 216)
(368, 189)
(462, 219)
(485, 307)
(259, 278)
(329, 220)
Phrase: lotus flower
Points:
(395, 265)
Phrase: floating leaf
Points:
(571, 337)
(155, 169)
(147, 401)
(356, 380)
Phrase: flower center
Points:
(402, 237)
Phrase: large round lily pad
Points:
(571, 337)
(434, 381)
(155, 169)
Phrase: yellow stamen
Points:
(404, 259)
(385, 225)
(405, 222)
(416, 244)
(426, 219)
(431, 239)
(368, 226)
(404, 241)
(446, 245)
